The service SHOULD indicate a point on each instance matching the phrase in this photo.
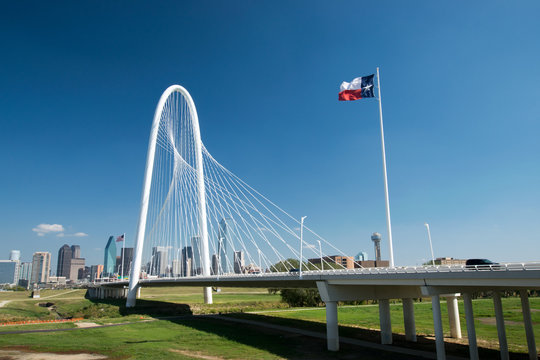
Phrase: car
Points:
(482, 264)
(294, 271)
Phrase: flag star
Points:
(368, 87)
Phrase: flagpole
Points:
(388, 223)
(123, 250)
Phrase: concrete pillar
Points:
(437, 325)
(527, 322)
(386, 323)
(207, 291)
(453, 316)
(503, 345)
(138, 292)
(471, 331)
(332, 331)
(408, 319)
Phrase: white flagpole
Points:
(123, 250)
(388, 223)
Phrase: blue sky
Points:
(80, 82)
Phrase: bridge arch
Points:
(172, 90)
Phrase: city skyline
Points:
(458, 100)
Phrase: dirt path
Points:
(21, 355)
(3, 303)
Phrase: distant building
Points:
(76, 269)
(128, 260)
(176, 268)
(448, 261)
(9, 272)
(160, 256)
(15, 255)
(95, 272)
(41, 267)
(224, 243)
(187, 260)
(76, 251)
(361, 256)
(215, 264)
(110, 257)
(239, 262)
(372, 263)
(197, 255)
(57, 280)
(64, 261)
(376, 238)
(346, 262)
(25, 274)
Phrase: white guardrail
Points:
(382, 270)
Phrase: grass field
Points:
(185, 337)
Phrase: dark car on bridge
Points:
(482, 264)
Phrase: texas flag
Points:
(359, 88)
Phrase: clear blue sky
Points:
(80, 82)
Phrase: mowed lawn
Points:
(367, 316)
(178, 338)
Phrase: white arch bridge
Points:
(201, 225)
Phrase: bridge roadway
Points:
(383, 284)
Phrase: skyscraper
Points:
(76, 251)
(110, 257)
(41, 267)
(15, 255)
(127, 260)
(160, 257)
(223, 245)
(197, 255)
(64, 261)
(238, 262)
(187, 260)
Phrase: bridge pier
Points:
(437, 325)
(471, 331)
(332, 327)
(453, 315)
(501, 331)
(527, 322)
(385, 321)
(408, 319)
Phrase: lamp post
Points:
(430, 244)
(301, 242)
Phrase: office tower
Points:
(110, 257)
(215, 265)
(197, 255)
(127, 260)
(15, 255)
(160, 258)
(41, 267)
(176, 268)
(95, 272)
(76, 251)
(376, 238)
(25, 271)
(187, 260)
(223, 245)
(361, 256)
(9, 272)
(238, 262)
(64, 261)
(76, 269)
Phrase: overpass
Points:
(384, 284)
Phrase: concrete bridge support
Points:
(102, 292)
(385, 321)
(501, 330)
(332, 329)
(408, 319)
(453, 315)
(437, 325)
(471, 331)
(527, 322)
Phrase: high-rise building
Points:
(238, 262)
(223, 245)
(110, 257)
(95, 272)
(76, 251)
(127, 257)
(197, 255)
(361, 256)
(15, 255)
(176, 268)
(76, 269)
(64, 261)
(187, 260)
(215, 264)
(160, 256)
(41, 267)
(9, 272)
(25, 271)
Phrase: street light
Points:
(430, 244)
(301, 241)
